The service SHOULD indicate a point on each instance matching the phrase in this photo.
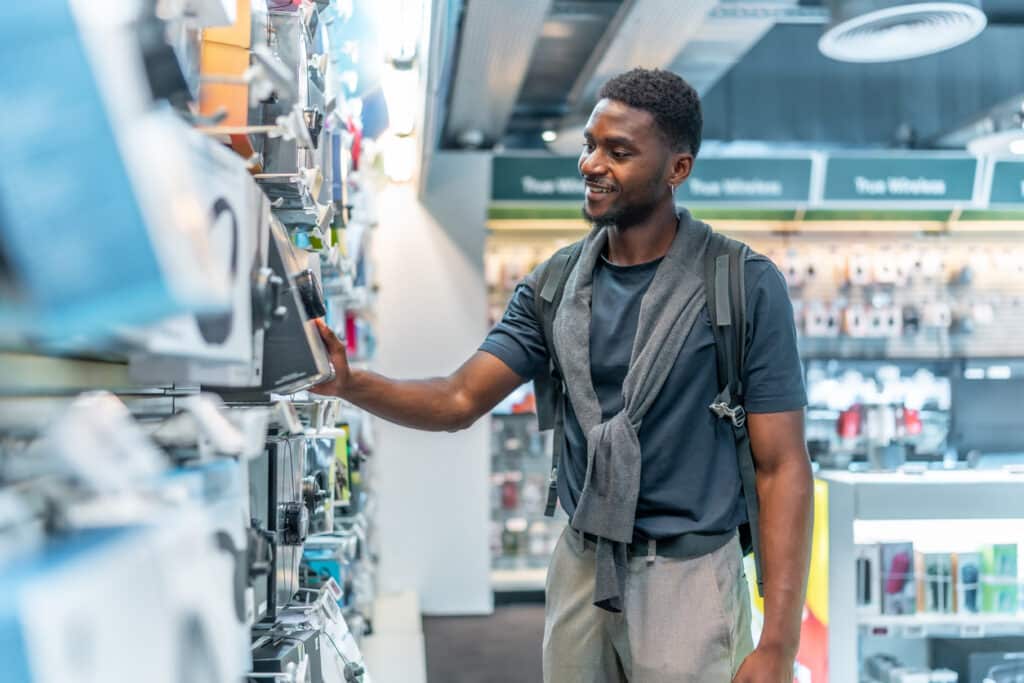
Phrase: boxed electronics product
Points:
(868, 558)
(899, 591)
(968, 583)
(934, 583)
(278, 512)
(999, 578)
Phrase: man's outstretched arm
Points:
(438, 404)
(785, 490)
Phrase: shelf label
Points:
(972, 630)
(900, 179)
(1007, 183)
(914, 631)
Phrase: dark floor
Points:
(501, 648)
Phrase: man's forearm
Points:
(786, 511)
(428, 404)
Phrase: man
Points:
(644, 459)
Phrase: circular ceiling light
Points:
(892, 30)
(1003, 143)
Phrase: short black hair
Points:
(673, 103)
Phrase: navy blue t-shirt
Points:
(689, 481)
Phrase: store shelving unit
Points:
(521, 462)
(942, 625)
(930, 495)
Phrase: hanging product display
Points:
(183, 233)
(118, 181)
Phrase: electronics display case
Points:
(522, 537)
(938, 509)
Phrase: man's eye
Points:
(589, 146)
(619, 154)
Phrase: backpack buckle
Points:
(735, 414)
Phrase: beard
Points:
(622, 217)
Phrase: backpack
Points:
(726, 302)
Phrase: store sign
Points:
(1007, 183)
(536, 178)
(900, 179)
(896, 180)
(713, 180)
(748, 180)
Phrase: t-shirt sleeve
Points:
(773, 375)
(518, 339)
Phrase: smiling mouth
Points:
(599, 189)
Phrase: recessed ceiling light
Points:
(892, 30)
(549, 136)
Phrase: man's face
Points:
(625, 163)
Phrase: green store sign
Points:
(900, 179)
(1007, 183)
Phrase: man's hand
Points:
(339, 359)
(437, 404)
(766, 665)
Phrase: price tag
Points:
(972, 630)
(914, 631)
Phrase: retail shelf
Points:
(943, 625)
(525, 579)
(23, 373)
(932, 494)
(954, 347)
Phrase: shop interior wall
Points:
(432, 315)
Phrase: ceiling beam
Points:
(729, 31)
(644, 33)
(498, 39)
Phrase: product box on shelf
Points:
(934, 573)
(899, 591)
(869, 559)
(999, 578)
(967, 570)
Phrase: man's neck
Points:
(646, 241)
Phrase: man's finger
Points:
(330, 339)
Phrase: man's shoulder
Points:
(538, 273)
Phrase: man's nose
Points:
(592, 163)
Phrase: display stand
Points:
(930, 495)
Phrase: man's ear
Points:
(682, 165)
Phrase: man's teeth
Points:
(601, 190)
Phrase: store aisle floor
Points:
(501, 648)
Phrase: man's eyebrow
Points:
(616, 140)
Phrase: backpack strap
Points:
(549, 386)
(726, 300)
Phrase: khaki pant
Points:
(684, 621)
